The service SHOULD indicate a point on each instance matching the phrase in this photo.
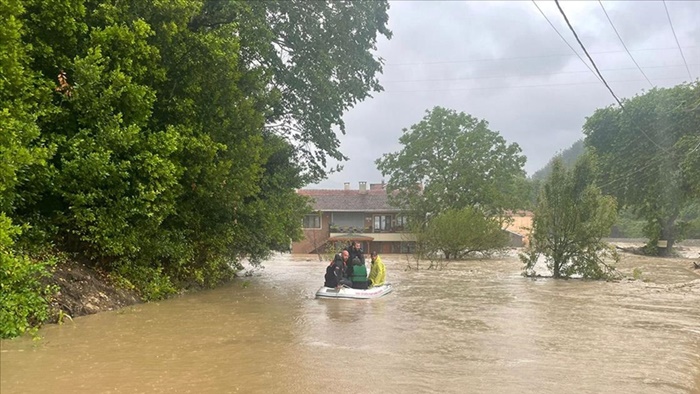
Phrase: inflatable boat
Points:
(350, 293)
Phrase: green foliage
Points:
(637, 273)
(164, 141)
(23, 298)
(690, 215)
(649, 158)
(627, 225)
(22, 100)
(458, 233)
(568, 157)
(150, 282)
(459, 162)
(318, 58)
(570, 220)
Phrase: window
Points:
(382, 223)
(311, 221)
(401, 222)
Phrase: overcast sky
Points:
(503, 62)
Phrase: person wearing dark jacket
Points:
(336, 272)
(355, 251)
(330, 279)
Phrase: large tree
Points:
(452, 160)
(22, 294)
(649, 153)
(318, 58)
(570, 220)
(165, 140)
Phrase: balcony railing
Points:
(365, 230)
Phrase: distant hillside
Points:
(568, 156)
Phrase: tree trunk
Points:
(558, 263)
(668, 234)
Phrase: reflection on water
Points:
(477, 327)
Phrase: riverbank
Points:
(84, 291)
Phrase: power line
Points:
(586, 52)
(623, 44)
(529, 57)
(522, 75)
(515, 86)
(676, 38)
(598, 71)
(562, 37)
(623, 175)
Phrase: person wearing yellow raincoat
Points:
(377, 274)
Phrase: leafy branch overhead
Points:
(317, 58)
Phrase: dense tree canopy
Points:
(317, 59)
(649, 153)
(165, 141)
(452, 160)
(570, 220)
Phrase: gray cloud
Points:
(501, 61)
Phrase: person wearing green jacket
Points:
(358, 274)
(377, 274)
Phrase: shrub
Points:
(23, 298)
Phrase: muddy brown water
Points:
(476, 327)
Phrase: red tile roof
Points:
(334, 200)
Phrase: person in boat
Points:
(336, 272)
(330, 280)
(377, 274)
(355, 250)
(359, 274)
(355, 256)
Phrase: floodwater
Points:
(474, 327)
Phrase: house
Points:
(363, 214)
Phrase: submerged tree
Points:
(460, 232)
(570, 220)
(649, 155)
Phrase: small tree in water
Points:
(570, 220)
(458, 232)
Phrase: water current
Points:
(473, 327)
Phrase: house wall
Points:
(515, 240)
(522, 222)
(314, 238)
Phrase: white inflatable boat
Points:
(349, 293)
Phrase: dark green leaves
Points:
(570, 220)
(459, 161)
(648, 155)
(164, 141)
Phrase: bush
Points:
(24, 300)
(151, 283)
